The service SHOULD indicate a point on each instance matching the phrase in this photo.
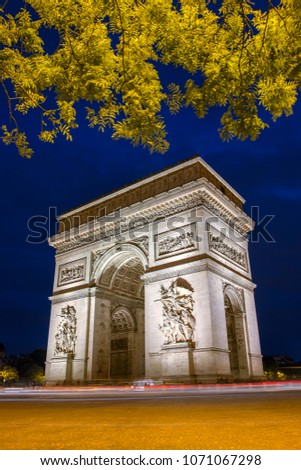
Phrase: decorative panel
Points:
(72, 272)
(177, 241)
(222, 245)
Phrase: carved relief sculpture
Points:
(178, 319)
(143, 242)
(65, 337)
(121, 320)
(72, 272)
(222, 245)
(96, 255)
(177, 241)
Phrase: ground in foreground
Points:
(142, 420)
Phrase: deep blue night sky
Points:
(266, 173)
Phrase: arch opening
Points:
(236, 334)
(119, 345)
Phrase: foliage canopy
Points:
(9, 374)
(108, 56)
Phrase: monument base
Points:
(177, 363)
(59, 370)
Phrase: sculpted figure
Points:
(65, 337)
(178, 319)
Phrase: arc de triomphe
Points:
(153, 281)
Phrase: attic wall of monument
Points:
(144, 191)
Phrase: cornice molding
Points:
(74, 295)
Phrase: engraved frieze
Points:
(108, 231)
(72, 272)
(227, 248)
(175, 242)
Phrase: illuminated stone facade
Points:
(153, 282)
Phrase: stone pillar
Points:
(211, 357)
(64, 364)
(139, 345)
(176, 317)
(153, 338)
(242, 346)
(254, 350)
(100, 337)
(59, 370)
(177, 363)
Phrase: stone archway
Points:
(120, 310)
(170, 239)
(236, 335)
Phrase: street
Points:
(152, 418)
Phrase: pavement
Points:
(240, 416)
